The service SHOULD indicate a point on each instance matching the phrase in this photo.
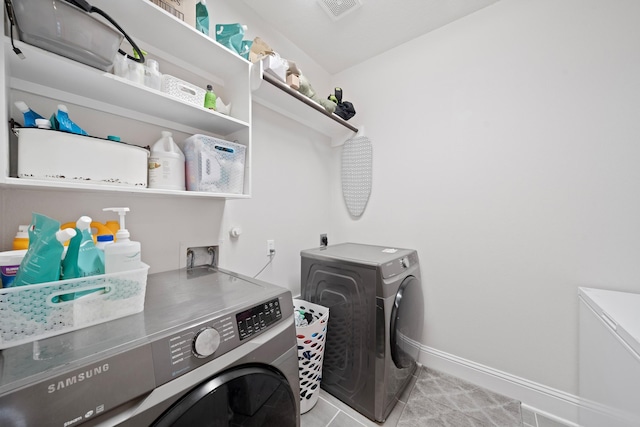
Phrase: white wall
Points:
(292, 169)
(164, 226)
(506, 152)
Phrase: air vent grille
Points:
(337, 9)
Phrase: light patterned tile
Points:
(320, 415)
(528, 417)
(428, 373)
(344, 420)
(424, 413)
(394, 416)
(404, 396)
(490, 408)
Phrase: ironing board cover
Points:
(356, 173)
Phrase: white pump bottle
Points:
(124, 254)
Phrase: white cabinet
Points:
(609, 358)
(181, 51)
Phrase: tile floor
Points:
(431, 399)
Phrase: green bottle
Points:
(210, 98)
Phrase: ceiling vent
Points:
(338, 9)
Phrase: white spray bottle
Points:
(124, 254)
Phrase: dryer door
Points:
(407, 318)
(251, 396)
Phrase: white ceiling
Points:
(363, 32)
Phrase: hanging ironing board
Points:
(356, 173)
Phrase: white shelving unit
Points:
(182, 52)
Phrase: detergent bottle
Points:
(124, 254)
(21, 241)
(83, 257)
(41, 263)
(166, 164)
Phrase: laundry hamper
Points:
(311, 339)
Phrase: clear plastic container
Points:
(66, 30)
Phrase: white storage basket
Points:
(33, 312)
(182, 90)
(214, 165)
(311, 341)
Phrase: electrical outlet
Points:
(324, 240)
(271, 247)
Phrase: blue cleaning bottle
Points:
(29, 115)
(61, 121)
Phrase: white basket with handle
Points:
(34, 312)
(311, 339)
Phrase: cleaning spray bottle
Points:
(124, 254)
(29, 115)
(166, 164)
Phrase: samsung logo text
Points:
(78, 378)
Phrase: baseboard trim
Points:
(549, 402)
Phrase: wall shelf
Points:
(278, 96)
(35, 184)
(96, 85)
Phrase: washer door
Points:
(407, 318)
(245, 396)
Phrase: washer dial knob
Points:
(405, 262)
(206, 342)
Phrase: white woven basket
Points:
(311, 341)
(182, 90)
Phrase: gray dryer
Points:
(374, 295)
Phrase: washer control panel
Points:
(399, 265)
(260, 317)
(192, 347)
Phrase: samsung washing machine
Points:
(211, 348)
(374, 296)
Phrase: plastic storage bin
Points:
(66, 30)
(182, 90)
(61, 156)
(311, 341)
(33, 312)
(214, 165)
